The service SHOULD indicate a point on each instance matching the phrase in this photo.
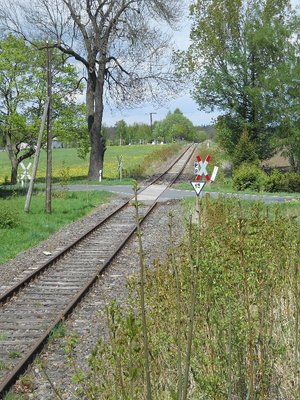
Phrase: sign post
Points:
(120, 166)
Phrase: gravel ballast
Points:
(86, 321)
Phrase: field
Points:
(77, 168)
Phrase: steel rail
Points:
(18, 286)
(29, 356)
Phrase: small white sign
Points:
(198, 186)
(25, 174)
(214, 174)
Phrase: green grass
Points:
(287, 208)
(29, 229)
(78, 168)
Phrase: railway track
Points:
(35, 305)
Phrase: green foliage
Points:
(121, 129)
(248, 176)
(247, 306)
(244, 60)
(175, 127)
(58, 332)
(244, 151)
(9, 217)
(23, 92)
(70, 127)
(279, 182)
(14, 354)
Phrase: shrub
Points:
(274, 182)
(279, 182)
(9, 217)
(292, 181)
(248, 176)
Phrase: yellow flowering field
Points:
(67, 162)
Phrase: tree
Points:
(244, 151)
(14, 92)
(23, 92)
(238, 52)
(70, 126)
(175, 127)
(121, 128)
(118, 42)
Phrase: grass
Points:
(20, 231)
(58, 332)
(14, 354)
(288, 209)
(78, 168)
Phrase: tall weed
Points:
(244, 263)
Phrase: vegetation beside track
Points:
(20, 231)
(243, 263)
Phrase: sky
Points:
(184, 102)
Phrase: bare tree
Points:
(119, 42)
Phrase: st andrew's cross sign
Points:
(200, 169)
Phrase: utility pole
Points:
(36, 158)
(151, 122)
(49, 135)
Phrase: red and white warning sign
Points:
(200, 168)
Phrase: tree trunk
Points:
(14, 171)
(13, 160)
(94, 106)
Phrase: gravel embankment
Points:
(86, 320)
(22, 265)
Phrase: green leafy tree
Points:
(289, 121)
(70, 127)
(15, 92)
(23, 92)
(139, 133)
(121, 128)
(175, 127)
(240, 56)
(245, 151)
(119, 44)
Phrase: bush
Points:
(9, 217)
(274, 182)
(292, 181)
(279, 182)
(248, 176)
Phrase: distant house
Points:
(57, 144)
(24, 146)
